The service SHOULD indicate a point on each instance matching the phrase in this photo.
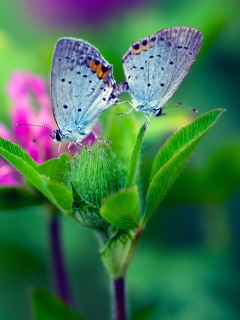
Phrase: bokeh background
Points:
(187, 264)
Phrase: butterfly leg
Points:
(148, 117)
(97, 136)
(128, 111)
(78, 143)
(59, 147)
(124, 102)
(69, 150)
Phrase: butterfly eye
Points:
(58, 136)
(158, 113)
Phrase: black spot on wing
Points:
(136, 46)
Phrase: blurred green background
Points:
(187, 264)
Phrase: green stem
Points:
(132, 249)
(119, 300)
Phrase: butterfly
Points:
(82, 86)
(156, 65)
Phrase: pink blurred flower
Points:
(30, 104)
(8, 175)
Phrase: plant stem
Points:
(58, 265)
(132, 249)
(119, 299)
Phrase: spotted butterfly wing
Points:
(155, 66)
(81, 88)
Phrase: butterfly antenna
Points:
(44, 134)
(39, 126)
(180, 106)
(33, 125)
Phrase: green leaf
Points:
(47, 307)
(22, 198)
(116, 254)
(22, 162)
(58, 194)
(173, 156)
(85, 213)
(16, 156)
(122, 209)
(55, 168)
(214, 183)
(132, 178)
(122, 131)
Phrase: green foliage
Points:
(122, 209)
(98, 190)
(86, 213)
(47, 307)
(133, 172)
(55, 169)
(121, 131)
(182, 281)
(173, 156)
(116, 251)
(95, 174)
(56, 193)
(18, 158)
(216, 181)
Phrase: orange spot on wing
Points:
(100, 74)
(137, 51)
(145, 48)
(99, 68)
(89, 63)
(105, 73)
(94, 66)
